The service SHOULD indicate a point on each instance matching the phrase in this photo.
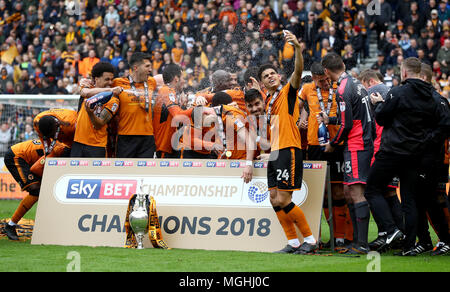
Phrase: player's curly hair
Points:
(221, 98)
(47, 125)
(100, 68)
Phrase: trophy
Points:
(139, 219)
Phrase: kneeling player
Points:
(55, 125)
(23, 162)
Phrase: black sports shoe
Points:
(307, 248)
(340, 245)
(10, 231)
(397, 244)
(394, 236)
(440, 249)
(287, 249)
(378, 243)
(346, 247)
(357, 250)
(423, 247)
(407, 253)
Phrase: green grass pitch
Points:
(24, 257)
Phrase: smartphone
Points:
(284, 33)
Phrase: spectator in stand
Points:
(4, 79)
(357, 42)
(431, 50)
(415, 18)
(29, 134)
(443, 56)
(380, 64)
(389, 76)
(309, 30)
(48, 38)
(412, 50)
(5, 138)
(436, 23)
(382, 20)
(85, 66)
(111, 16)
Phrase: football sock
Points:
(294, 242)
(298, 218)
(348, 225)
(339, 214)
(351, 211)
(310, 239)
(362, 214)
(25, 205)
(287, 225)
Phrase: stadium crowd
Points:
(215, 45)
(48, 45)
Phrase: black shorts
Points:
(82, 150)
(20, 170)
(356, 166)
(285, 169)
(174, 154)
(335, 161)
(134, 146)
(191, 154)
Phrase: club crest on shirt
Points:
(342, 106)
(114, 107)
(172, 97)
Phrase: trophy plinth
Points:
(139, 219)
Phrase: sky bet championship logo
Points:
(100, 189)
(258, 192)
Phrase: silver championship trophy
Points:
(139, 219)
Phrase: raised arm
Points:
(296, 77)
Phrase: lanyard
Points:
(262, 131)
(274, 97)
(147, 99)
(259, 123)
(220, 130)
(330, 99)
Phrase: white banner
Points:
(202, 204)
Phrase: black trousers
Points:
(432, 172)
(383, 170)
